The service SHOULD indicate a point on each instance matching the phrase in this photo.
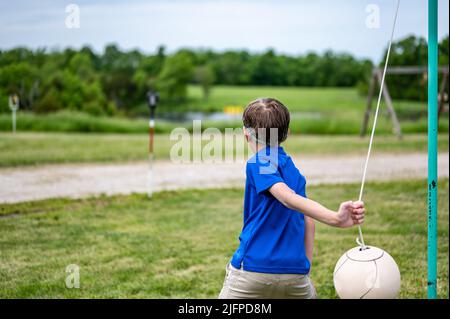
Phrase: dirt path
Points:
(80, 180)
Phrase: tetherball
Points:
(366, 273)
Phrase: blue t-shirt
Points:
(272, 239)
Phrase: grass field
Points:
(177, 244)
(313, 111)
(40, 148)
(332, 101)
(330, 107)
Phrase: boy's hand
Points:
(350, 214)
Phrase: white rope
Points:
(360, 239)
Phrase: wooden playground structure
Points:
(409, 70)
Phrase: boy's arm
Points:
(310, 229)
(349, 214)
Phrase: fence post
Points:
(432, 146)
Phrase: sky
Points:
(288, 26)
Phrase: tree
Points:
(147, 72)
(81, 65)
(268, 69)
(233, 68)
(83, 80)
(77, 87)
(443, 51)
(204, 75)
(117, 71)
(174, 77)
(20, 78)
(412, 51)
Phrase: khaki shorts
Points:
(241, 284)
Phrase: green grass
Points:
(318, 110)
(40, 148)
(313, 111)
(77, 122)
(334, 101)
(177, 244)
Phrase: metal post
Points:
(152, 100)
(432, 146)
(14, 121)
(14, 106)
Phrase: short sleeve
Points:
(263, 175)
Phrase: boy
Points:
(276, 243)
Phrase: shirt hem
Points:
(267, 270)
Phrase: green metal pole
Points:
(432, 146)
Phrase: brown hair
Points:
(263, 114)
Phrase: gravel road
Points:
(81, 180)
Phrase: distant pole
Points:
(152, 100)
(14, 106)
(432, 146)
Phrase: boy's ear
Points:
(246, 134)
(245, 131)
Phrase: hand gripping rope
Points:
(360, 238)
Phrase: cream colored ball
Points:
(369, 273)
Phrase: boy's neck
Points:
(259, 147)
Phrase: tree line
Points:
(116, 80)
(413, 51)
